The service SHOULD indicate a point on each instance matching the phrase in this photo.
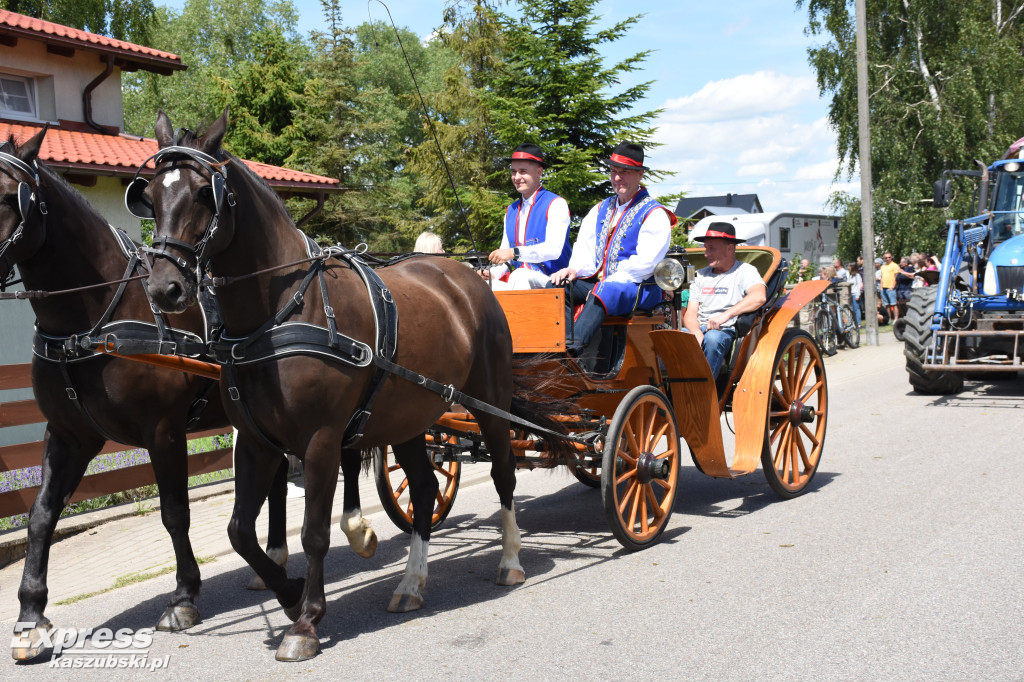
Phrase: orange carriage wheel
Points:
(393, 489)
(795, 432)
(588, 469)
(640, 469)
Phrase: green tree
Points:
(223, 43)
(945, 89)
(121, 19)
(462, 124)
(554, 88)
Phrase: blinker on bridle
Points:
(139, 205)
(27, 200)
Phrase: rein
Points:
(38, 293)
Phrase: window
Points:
(17, 96)
(784, 239)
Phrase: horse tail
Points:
(536, 381)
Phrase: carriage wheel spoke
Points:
(632, 451)
(656, 509)
(636, 494)
(810, 436)
(626, 497)
(807, 396)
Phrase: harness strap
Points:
(73, 396)
(230, 380)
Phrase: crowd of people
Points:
(894, 281)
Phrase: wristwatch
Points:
(515, 252)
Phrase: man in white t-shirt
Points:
(721, 292)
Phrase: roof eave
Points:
(160, 65)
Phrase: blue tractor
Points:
(971, 321)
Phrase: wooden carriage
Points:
(648, 391)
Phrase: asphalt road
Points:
(904, 561)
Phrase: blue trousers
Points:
(590, 317)
(716, 346)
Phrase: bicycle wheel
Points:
(825, 332)
(848, 323)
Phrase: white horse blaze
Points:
(171, 177)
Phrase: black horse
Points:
(58, 241)
(303, 354)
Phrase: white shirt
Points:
(652, 245)
(717, 293)
(554, 234)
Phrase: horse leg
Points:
(503, 472)
(169, 457)
(277, 545)
(255, 467)
(64, 464)
(321, 469)
(354, 525)
(423, 488)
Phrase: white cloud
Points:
(763, 133)
(741, 97)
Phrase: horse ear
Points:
(214, 135)
(29, 151)
(164, 132)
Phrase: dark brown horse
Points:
(58, 241)
(450, 329)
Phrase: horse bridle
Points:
(27, 200)
(139, 205)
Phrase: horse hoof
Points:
(403, 603)
(369, 547)
(510, 576)
(31, 645)
(256, 584)
(298, 648)
(180, 617)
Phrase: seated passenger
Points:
(721, 292)
(535, 242)
(428, 242)
(620, 242)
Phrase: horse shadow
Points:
(568, 524)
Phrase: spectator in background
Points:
(428, 242)
(887, 277)
(904, 283)
(856, 291)
(841, 272)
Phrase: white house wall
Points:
(62, 80)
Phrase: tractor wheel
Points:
(917, 340)
(797, 415)
(393, 489)
(640, 469)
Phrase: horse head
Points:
(22, 210)
(190, 202)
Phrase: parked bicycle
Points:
(834, 323)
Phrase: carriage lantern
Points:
(674, 270)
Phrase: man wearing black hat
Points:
(620, 242)
(721, 292)
(535, 242)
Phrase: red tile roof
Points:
(122, 155)
(139, 56)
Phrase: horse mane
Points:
(77, 200)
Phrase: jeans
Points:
(716, 346)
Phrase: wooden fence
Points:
(13, 457)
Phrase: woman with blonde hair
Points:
(428, 242)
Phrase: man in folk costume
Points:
(619, 243)
(535, 242)
(721, 292)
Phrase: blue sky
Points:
(741, 107)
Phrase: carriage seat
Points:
(773, 269)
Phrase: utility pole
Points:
(866, 230)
